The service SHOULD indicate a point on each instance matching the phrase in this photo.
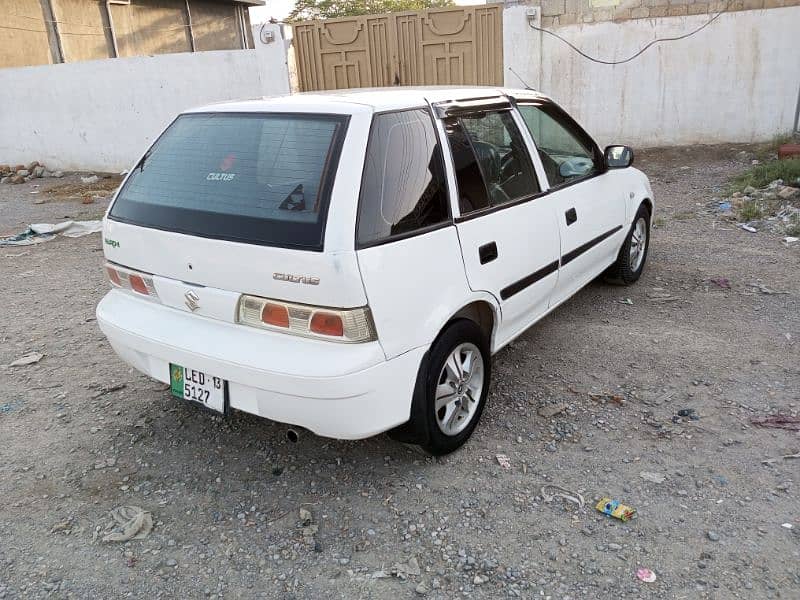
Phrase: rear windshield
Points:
(255, 178)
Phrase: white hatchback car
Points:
(348, 262)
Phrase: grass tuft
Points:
(750, 211)
(762, 175)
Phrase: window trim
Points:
(447, 222)
(491, 209)
(574, 127)
(329, 173)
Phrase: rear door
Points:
(507, 228)
(406, 243)
(589, 204)
(231, 203)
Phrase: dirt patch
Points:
(661, 378)
(104, 187)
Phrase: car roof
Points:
(349, 101)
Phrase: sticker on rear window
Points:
(220, 176)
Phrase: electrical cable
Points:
(640, 52)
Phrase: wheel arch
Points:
(483, 312)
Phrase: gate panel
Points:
(457, 45)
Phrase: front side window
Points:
(491, 161)
(261, 178)
(404, 187)
(566, 153)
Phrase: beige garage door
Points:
(459, 45)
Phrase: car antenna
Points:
(527, 87)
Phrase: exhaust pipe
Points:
(293, 435)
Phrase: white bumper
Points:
(346, 391)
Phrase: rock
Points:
(551, 447)
(551, 410)
(614, 547)
(713, 536)
(33, 165)
(5, 169)
(23, 173)
(749, 190)
(171, 562)
(38, 171)
(478, 580)
(421, 589)
(788, 192)
(90, 179)
(653, 477)
(18, 168)
(6, 179)
(58, 174)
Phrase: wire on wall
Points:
(644, 49)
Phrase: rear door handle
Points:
(487, 252)
(571, 215)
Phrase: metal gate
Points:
(458, 45)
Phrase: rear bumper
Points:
(346, 391)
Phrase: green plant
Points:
(328, 9)
(750, 211)
(762, 175)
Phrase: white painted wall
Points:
(735, 81)
(102, 115)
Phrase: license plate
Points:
(197, 386)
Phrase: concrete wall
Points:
(570, 12)
(23, 39)
(102, 115)
(735, 81)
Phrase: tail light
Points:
(339, 325)
(128, 279)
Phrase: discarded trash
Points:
(307, 527)
(778, 422)
(653, 477)
(722, 282)
(90, 179)
(646, 575)
(128, 523)
(685, 412)
(790, 240)
(28, 359)
(765, 290)
(564, 493)
(44, 232)
(503, 461)
(787, 525)
(724, 206)
(747, 227)
(614, 509)
(627, 301)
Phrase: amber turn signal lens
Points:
(275, 314)
(113, 276)
(327, 324)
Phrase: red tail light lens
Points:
(327, 324)
(275, 315)
(138, 284)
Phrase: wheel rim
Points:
(459, 389)
(638, 244)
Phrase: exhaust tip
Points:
(292, 435)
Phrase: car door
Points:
(589, 204)
(508, 231)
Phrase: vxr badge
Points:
(192, 300)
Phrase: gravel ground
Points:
(585, 400)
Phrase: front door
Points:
(508, 231)
(589, 207)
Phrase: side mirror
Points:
(618, 157)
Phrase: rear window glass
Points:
(256, 178)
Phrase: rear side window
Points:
(255, 178)
(403, 189)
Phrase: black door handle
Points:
(487, 252)
(572, 216)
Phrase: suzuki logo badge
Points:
(192, 300)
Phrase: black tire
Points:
(423, 428)
(622, 271)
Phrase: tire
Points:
(442, 431)
(632, 256)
